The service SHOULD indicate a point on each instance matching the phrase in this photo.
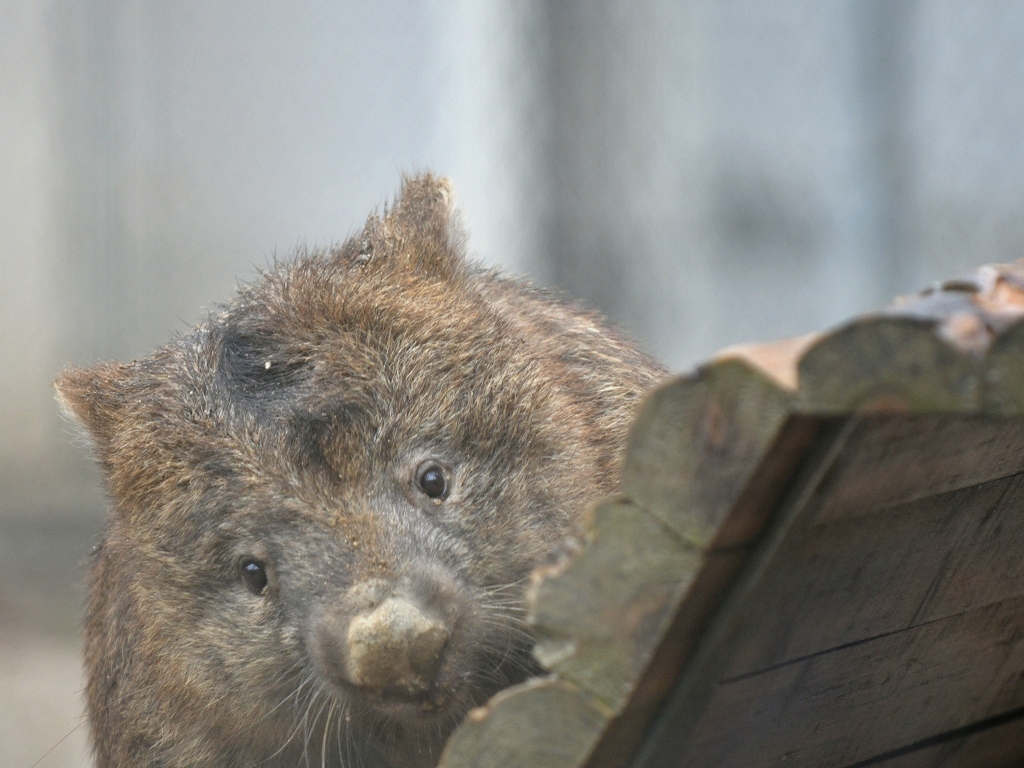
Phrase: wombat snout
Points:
(391, 645)
(394, 646)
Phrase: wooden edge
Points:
(954, 347)
(705, 464)
(627, 729)
(598, 618)
(696, 443)
(760, 493)
(888, 363)
(690, 613)
(915, 355)
(542, 722)
(601, 618)
(704, 658)
(1003, 376)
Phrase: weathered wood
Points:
(599, 619)
(885, 363)
(698, 441)
(543, 723)
(850, 580)
(815, 560)
(893, 459)
(1004, 374)
(710, 656)
(856, 702)
(759, 496)
(718, 567)
(859, 635)
(777, 360)
(991, 743)
(626, 730)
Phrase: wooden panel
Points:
(851, 580)
(890, 460)
(874, 616)
(626, 731)
(854, 703)
(598, 619)
(994, 743)
(856, 635)
(708, 457)
(886, 363)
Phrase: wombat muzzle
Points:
(394, 647)
(390, 645)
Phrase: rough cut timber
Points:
(817, 559)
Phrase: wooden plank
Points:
(1003, 392)
(707, 660)
(996, 742)
(698, 458)
(857, 582)
(599, 618)
(718, 569)
(759, 497)
(543, 722)
(875, 610)
(886, 363)
(854, 703)
(854, 579)
(892, 459)
(698, 441)
(626, 730)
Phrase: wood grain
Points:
(992, 743)
(855, 579)
(544, 722)
(894, 619)
(892, 459)
(599, 619)
(853, 703)
(1003, 392)
(816, 560)
(625, 732)
(698, 441)
(885, 363)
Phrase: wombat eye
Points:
(254, 574)
(431, 480)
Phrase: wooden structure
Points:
(817, 559)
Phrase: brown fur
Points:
(383, 352)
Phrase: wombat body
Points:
(327, 499)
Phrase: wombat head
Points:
(327, 498)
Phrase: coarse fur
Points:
(289, 431)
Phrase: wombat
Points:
(327, 500)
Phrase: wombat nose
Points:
(395, 646)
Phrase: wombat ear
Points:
(93, 397)
(425, 217)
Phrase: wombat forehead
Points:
(348, 376)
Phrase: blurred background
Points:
(703, 172)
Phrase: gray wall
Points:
(703, 172)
